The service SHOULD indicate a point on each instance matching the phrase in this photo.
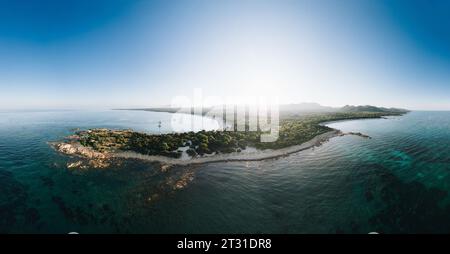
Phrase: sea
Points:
(398, 181)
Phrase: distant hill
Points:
(316, 108)
(368, 108)
(306, 107)
(290, 109)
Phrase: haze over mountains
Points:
(315, 107)
(306, 107)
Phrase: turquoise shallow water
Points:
(398, 181)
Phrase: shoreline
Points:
(258, 155)
(103, 159)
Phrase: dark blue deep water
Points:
(396, 182)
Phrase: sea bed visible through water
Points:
(396, 182)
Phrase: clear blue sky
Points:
(112, 53)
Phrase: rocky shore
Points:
(87, 157)
(254, 155)
(359, 134)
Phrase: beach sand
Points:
(252, 155)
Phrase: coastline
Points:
(257, 155)
(103, 159)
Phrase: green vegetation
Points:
(297, 129)
(294, 130)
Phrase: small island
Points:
(296, 133)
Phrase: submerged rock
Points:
(99, 163)
(359, 134)
(47, 181)
(13, 200)
(153, 197)
(75, 164)
(184, 180)
(92, 158)
(165, 167)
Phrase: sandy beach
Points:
(253, 155)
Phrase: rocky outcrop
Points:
(184, 180)
(359, 134)
(77, 164)
(79, 150)
(89, 157)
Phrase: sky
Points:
(113, 54)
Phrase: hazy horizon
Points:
(96, 108)
(128, 54)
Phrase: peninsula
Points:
(297, 132)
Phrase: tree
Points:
(164, 146)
